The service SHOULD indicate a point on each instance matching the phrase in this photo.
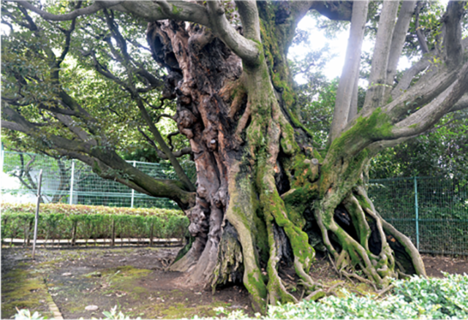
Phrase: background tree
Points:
(262, 185)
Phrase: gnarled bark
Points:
(258, 178)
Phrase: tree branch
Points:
(423, 92)
(177, 154)
(334, 10)
(398, 41)
(150, 11)
(80, 133)
(162, 9)
(421, 38)
(95, 7)
(452, 40)
(377, 79)
(130, 87)
(461, 104)
(427, 116)
(246, 49)
(350, 73)
(249, 16)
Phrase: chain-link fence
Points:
(432, 211)
(70, 181)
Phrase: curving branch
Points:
(13, 126)
(95, 7)
(249, 16)
(148, 10)
(425, 64)
(71, 125)
(162, 155)
(409, 75)
(427, 116)
(333, 10)
(247, 49)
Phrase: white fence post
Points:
(72, 181)
(133, 190)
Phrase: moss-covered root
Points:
(275, 214)
(353, 255)
(240, 213)
(364, 244)
(407, 259)
(276, 290)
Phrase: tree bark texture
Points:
(263, 194)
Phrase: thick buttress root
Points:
(360, 240)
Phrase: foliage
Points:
(57, 221)
(25, 314)
(113, 315)
(417, 298)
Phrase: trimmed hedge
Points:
(62, 221)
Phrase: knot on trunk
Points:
(185, 120)
(198, 224)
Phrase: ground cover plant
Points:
(80, 77)
(61, 221)
(415, 298)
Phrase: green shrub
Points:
(57, 221)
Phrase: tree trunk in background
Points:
(264, 195)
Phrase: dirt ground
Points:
(134, 280)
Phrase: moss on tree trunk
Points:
(260, 183)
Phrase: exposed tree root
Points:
(362, 246)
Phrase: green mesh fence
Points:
(70, 181)
(432, 211)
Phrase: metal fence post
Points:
(72, 181)
(37, 213)
(133, 190)
(416, 208)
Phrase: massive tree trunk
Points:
(263, 191)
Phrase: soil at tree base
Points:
(134, 280)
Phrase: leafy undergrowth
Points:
(417, 298)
